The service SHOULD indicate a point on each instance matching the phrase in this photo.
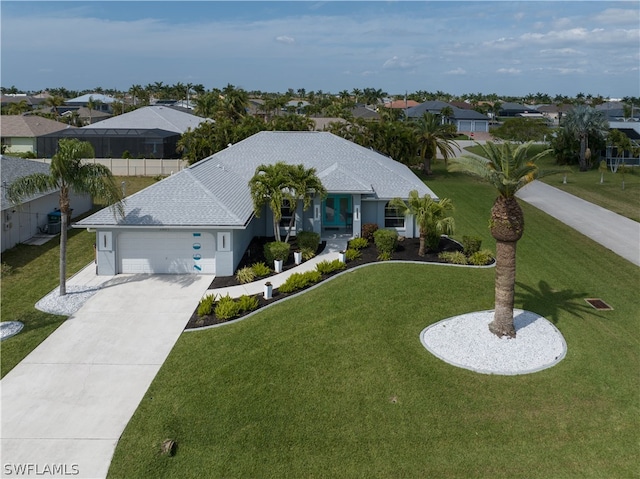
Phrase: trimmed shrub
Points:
(308, 253)
(358, 243)
(454, 257)
(386, 240)
(205, 307)
(276, 250)
(326, 267)
(384, 256)
(471, 244)
(308, 240)
(368, 229)
(245, 275)
(227, 308)
(352, 254)
(260, 269)
(247, 303)
(299, 281)
(480, 258)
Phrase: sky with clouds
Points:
(509, 48)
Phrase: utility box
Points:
(54, 222)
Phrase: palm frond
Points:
(30, 185)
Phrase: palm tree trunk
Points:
(583, 152)
(63, 252)
(502, 324)
(423, 235)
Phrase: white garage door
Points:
(166, 252)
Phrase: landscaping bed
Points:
(406, 250)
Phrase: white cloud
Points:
(508, 71)
(568, 52)
(617, 16)
(457, 71)
(285, 39)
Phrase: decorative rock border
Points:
(9, 329)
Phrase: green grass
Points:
(305, 388)
(36, 274)
(586, 185)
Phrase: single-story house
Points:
(147, 132)
(201, 220)
(466, 121)
(510, 109)
(21, 222)
(19, 133)
(102, 102)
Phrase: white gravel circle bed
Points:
(465, 341)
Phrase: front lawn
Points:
(335, 383)
(35, 273)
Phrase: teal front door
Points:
(337, 211)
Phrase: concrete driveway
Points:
(65, 405)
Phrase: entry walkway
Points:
(67, 403)
(613, 231)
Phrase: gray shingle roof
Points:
(215, 190)
(153, 117)
(14, 168)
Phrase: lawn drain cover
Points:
(598, 304)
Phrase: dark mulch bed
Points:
(407, 251)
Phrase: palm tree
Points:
(508, 167)
(304, 184)
(54, 102)
(431, 216)
(583, 121)
(68, 174)
(432, 137)
(269, 186)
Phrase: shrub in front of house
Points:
(358, 243)
(308, 240)
(352, 254)
(260, 270)
(308, 253)
(276, 250)
(205, 306)
(247, 303)
(481, 258)
(327, 267)
(227, 308)
(385, 240)
(368, 229)
(454, 257)
(471, 244)
(245, 275)
(298, 281)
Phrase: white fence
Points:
(137, 166)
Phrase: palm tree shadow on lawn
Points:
(548, 302)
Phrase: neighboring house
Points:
(23, 221)
(102, 102)
(466, 121)
(614, 111)
(201, 220)
(515, 109)
(147, 132)
(401, 104)
(554, 113)
(632, 130)
(19, 133)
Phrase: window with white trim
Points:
(287, 212)
(392, 217)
